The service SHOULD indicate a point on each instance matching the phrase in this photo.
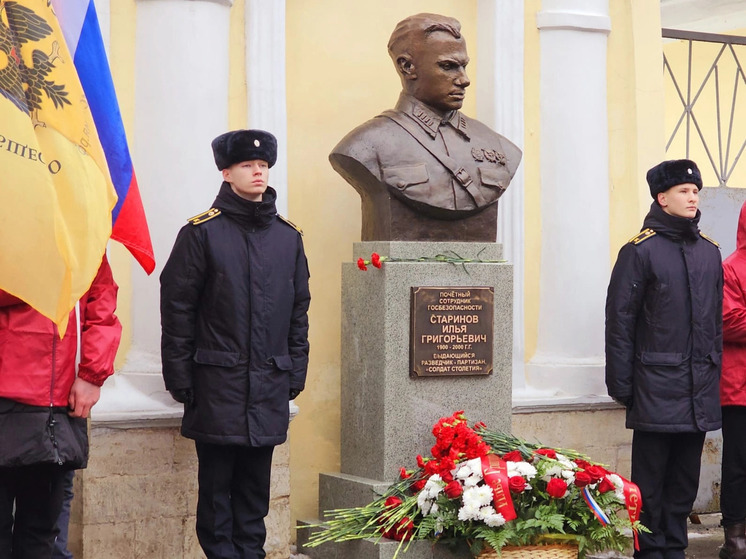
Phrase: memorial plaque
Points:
(451, 331)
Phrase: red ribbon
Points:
(633, 500)
(495, 472)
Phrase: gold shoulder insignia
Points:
(642, 236)
(204, 216)
(290, 223)
(706, 238)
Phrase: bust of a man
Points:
(426, 171)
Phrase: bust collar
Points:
(428, 119)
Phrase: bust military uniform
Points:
(403, 157)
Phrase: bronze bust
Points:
(425, 171)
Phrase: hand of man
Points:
(83, 396)
(183, 396)
(294, 393)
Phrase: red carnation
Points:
(517, 484)
(392, 502)
(403, 529)
(583, 464)
(403, 474)
(362, 264)
(513, 456)
(606, 485)
(418, 485)
(556, 488)
(583, 478)
(375, 259)
(453, 490)
(548, 452)
(596, 472)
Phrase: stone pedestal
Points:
(387, 415)
(137, 498)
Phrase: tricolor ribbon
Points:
(594, 506)
(632, 501)
(495, 473)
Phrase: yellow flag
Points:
(56, 195)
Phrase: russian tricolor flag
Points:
(79, 24)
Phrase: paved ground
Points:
(705, 539)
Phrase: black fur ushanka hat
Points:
(671, 173)
(244, 145)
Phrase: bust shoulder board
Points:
(204, 216)
(290, 223)
(706, 238)
(642, 236)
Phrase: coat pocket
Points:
(662, 358)
(662, 374)
(283, 362)
(216, 358)
(403, 177)
(221, 384)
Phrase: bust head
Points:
(429, 54)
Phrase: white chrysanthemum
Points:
(521, 469)
(424, 503)
(618, 486)
(479, 496)
(567, 464)
(472, 481)
(568, 476)
(470, 511)
(553, 471)
(490, 517)
(616, 480)
(433, 486)
(469, 469)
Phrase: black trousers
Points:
(233, 500)
(665, 466)
(37, 492)
(733, 488)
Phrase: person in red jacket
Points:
(44, 406)
(733, 399)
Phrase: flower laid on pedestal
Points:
(377, 260)
(491, 490)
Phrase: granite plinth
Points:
(388, 416)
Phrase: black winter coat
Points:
(234, 317)
(664, 327)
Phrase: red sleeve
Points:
(101, 330)
(734, 305)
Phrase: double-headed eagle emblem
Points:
(20, 83)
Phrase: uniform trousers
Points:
(60, 550)
(37, 492)
(665, 466)
(733, 488)
(233, 500)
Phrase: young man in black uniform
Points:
(663, 347)
(234, 317)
